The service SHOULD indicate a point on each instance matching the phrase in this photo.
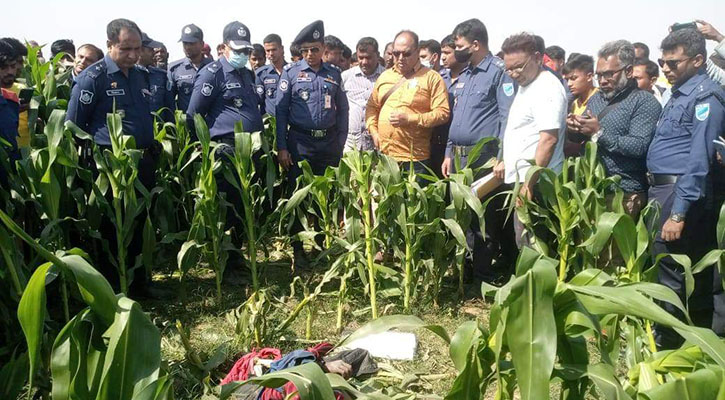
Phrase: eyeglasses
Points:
(310, 50)
(671, 64)
(397, 54)
(518, 70)
(607, 75)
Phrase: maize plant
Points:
(207, 230)
(51, 89)
(109, 349)
(118, 171)
(244, 177)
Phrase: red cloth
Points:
(10, 95)
(245, 365)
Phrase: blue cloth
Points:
(267, 80)
(683, 141)
(310, 99)
(292, 359)
(224, 95)
(9, 120)
(482, 98)
(161, 96)
(181, 74)
(103, 87)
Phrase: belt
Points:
(462, 150)
(661, 179)
(315, 133)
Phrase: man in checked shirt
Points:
(358, 83)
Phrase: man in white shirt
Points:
(536, 122)
(358, 84)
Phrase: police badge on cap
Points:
(237, 36)
(191, 34)
(313, 32)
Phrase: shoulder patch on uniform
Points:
(702, 111)
(283, 85)
(508, 89)
(86, 97)
(206, 89)
(260, 89)
(290, 65)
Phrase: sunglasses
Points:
(310, 50)
(242, 51)
(518, 70)
(671, 64)
(398, 54)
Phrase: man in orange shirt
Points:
(407, 102)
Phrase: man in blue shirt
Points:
(118, 83)
(312, 113)
(678, 161)
(268, 75)
(224, 91)
(115, 83)
(481, 101)
(182, 72)
(159, 85)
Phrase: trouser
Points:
(438, 142)
(147, 176)
(496, 242)
(319, 156)
(698, 237)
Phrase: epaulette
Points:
(213, 67)
(498, 62)
(290, 65)
(333, 66)
(95, 70)
(175, 64)
(262, 70)
(707, 93)
(141, 68)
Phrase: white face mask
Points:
(426, 63)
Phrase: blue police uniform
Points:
(678, 161)
(482, 98)
(161, 96)
(181, 75)
(9, 119)
(102, 87)
(312, 114)
(224, 95)
(267, 80)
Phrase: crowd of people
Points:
(427, 103)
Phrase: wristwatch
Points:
(677, 217)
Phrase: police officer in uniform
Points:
(679, 161)
(117, 82)
(268, 75)
(182, 72)
(224, 91)
(312, 112)
(482, 98)
(159, 85)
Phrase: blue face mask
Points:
(237, 60)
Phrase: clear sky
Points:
(579, 26)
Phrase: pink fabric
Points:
(245, 365)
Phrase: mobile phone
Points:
(685, 25)
(25, 95)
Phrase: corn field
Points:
(572, 316)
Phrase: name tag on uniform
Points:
(234, 85)
(328, 101)
(304, 79)
(270, 81)
(184, 77)
(115, 92)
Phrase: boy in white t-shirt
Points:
(536, 121)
